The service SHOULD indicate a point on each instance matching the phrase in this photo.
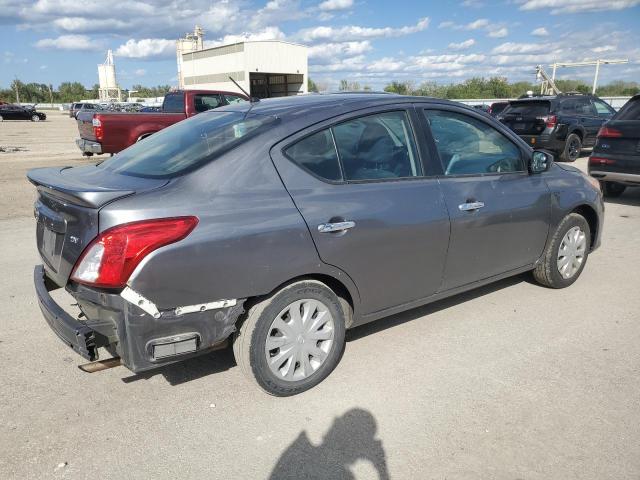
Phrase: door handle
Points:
(335, 227)
(469, 207)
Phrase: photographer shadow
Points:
(350, 438)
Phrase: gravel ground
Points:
(510, 381)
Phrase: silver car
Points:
(282, 223)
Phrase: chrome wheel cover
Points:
(299, 339)
(571, 252)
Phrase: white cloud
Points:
(69, 42)
(473, 3)
(147, 48)
(499, 33)
(267, 33)
(604, 48)
(353, 32)
(511, 48)
(462, 45)
(577, 6)
(333, 50)
(480, 23)
(140, 72)
(540, 32)
(331, 5)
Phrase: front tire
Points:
(572, 148)
(612, 189)
(292, 340)
(35, 118)
(566, 254)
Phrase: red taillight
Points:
(112, 256)
(609, 132)
(601, 161)
(97, 128)
(550, 121)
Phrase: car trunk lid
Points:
(67, 209)
(526, 117)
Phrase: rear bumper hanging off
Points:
(88, 146)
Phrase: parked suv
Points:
(562, 124)
(283, 223)
(615, 159)
(76, 108)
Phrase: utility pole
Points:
(17, 90)
(50, 96)
(595, 78)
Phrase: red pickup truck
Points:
(111, 132)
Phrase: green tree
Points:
(311, 86)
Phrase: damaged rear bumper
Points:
(141, 339)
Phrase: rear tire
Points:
(612, 189)
(282, 358)
(572, 148)
(573, 255)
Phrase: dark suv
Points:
(563, 124)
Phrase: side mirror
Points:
(540, 161)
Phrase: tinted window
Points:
(173, 103)
(584, 107)
(203, 102)
(602, 109)
(630, 111)
(528, 108)
(234, 99)
(187, 144)
(467, 145)
(317, 154)
(568, 107)
(376, 147)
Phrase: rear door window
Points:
(584, 107)
(378, 146)
(317, 154)
(469, 146)
(173, 103)
(603, 109)
(204, 102)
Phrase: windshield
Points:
(529, 108)
(187, 144)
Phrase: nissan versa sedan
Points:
(279, 224)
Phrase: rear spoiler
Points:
(52, 182)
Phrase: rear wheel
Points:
(612, 189)
(572, 148)
(291, 341)
(566, 255)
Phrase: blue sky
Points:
(369, 41)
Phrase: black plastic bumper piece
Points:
(75, 334)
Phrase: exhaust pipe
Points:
(100, 365)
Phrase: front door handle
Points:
(469, 207)
(335, 227)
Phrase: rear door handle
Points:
(335, 227)
(469, 207)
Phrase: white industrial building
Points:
(269, 68)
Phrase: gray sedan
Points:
(280, 224)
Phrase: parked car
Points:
(283, 223)
(563, 124)
(615, 160)
(150, 109)
(20, 112)
(111, 132)
(497, 108)
(78, 107)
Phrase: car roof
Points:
(325, 103)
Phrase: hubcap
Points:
(574, 150)
(571, 252)
(299, 339)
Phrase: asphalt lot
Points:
(510, 381)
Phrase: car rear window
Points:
(187, 145)
(630, 111)
(529, 108)
(173, 103)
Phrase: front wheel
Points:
(566, 254)
(35, 118)
(612, 189)
(572, 148)
(292, 340)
